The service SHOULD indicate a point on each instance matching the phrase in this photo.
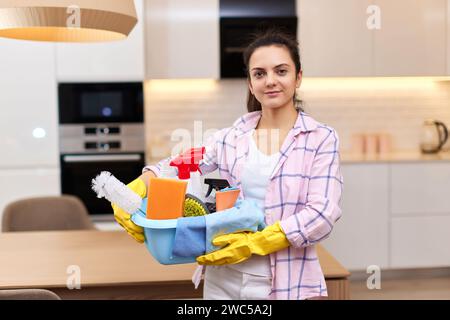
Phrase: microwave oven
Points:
(119, 102)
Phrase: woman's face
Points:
(273, 78)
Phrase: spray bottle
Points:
(167, 171)
(188, 169)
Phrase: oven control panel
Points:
(102, 138)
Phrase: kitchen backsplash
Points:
(395, 106)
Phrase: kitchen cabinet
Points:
(16, 184)
(182, 39)
(334, 39)
(395, 215)
(421, 241)
(412, 40)
(420, 188)
(121, 60)
(28, 105)
(360, 238)
(420, 209)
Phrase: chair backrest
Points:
(28, 294)
(46, 214)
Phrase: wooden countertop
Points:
(42, 260)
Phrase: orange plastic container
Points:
(226, 199)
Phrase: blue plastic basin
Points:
(159, 237)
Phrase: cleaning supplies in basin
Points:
(178, 241)
(165, 198)
(226, 198)
(193, 207)
(188, 170)
(105, 185)
(214, 185)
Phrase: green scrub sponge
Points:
(194, 207)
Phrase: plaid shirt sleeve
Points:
(315, 221)
(209, 163)
(156, 168)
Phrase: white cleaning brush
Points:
(109, 187)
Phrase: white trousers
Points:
(224, 283)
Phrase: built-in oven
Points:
(78, 170)
(101, 129)
(115, 102)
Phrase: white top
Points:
(255, 179)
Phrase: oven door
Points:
(77, 172)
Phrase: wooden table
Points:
(111, 265)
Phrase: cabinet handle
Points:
(95, 158)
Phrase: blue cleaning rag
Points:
(190, 237)
(246, 215)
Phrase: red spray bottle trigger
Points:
(188, 162)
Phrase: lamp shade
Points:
(67, 20)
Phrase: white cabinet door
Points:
(28, 101)
(26, 183)
(360, 237)
(412, 38)
(334, 38)
(420, 209)
(110, 61)
(420, 242)
(182, 39)
(420, 188)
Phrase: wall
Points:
(177, 104)
(397, 106)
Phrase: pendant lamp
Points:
(67, 20)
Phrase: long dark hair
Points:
(266, 38)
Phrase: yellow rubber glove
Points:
(240, 246)
(124, 218)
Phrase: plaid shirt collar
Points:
(250, 120)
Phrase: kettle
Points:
(434, 136)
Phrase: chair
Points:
(46, 214)
(28, 294)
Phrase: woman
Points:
(286, 161)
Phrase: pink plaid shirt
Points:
(304, 193)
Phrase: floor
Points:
(404, 285)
